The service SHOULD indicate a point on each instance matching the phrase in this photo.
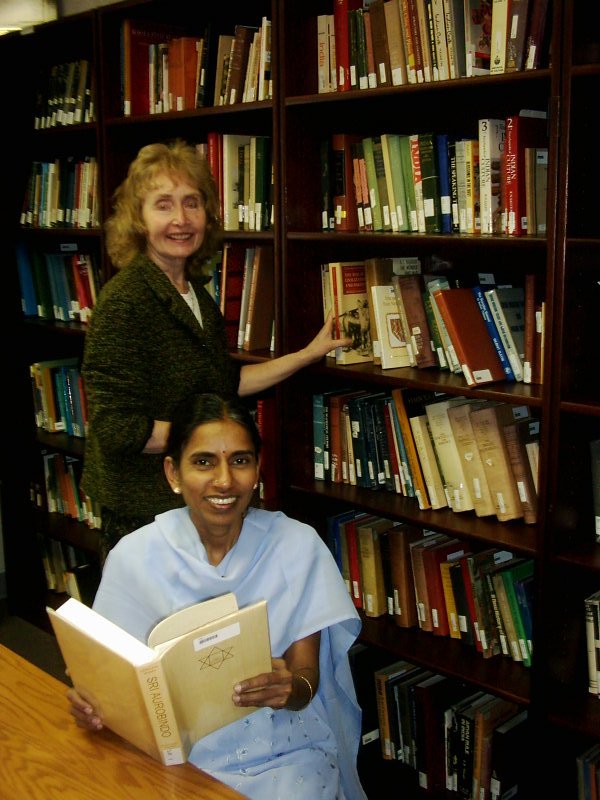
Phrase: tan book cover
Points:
(419, 578)
(261, 302)
(451, 612)
(466, 444)
(456, 487)
(371, 565)
(164, 696)
(436, 494)
(390, 343)
(488, 426)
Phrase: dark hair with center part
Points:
(203, 408)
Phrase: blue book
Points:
(478, 291)
(28, 295)
(333, 537)
(441, 142)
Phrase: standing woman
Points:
(156, 335)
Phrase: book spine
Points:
(161, 714)
(493, 331)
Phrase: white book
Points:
(491, 146)
(390, 345)
(456, 485)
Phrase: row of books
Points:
(400, 316)
(363, 45)
(595, 475)
(243, 68)
(246, 296)
(62, 193)
(65, 95)
(165, 68)
(492, 183)
(68, 570)
(435, 582)
(59, 399)
(61, 286)
(242, 166)
(446, 452)
(62, 493)
(588, 772)
(460, 741)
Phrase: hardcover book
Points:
(469, 336)
(351, 311)
(164, 696)
(507, 307)
(526, 129)
(409, 295)
(344, 198)
(390, 344)
(488, 426)
(491, 146)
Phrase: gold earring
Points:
(255, 486)
(177, 490)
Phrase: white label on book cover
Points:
(216, 637)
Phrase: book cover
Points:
(526, 129)
(595, 484)
(231, 180)
(138, 36)
(515, 40)
(454, 14)
(351, 311)
(442, 145)
(592, 637)
(484, 308)
(399, 539)
(507, 307)
(430, 179)
(509, 760)
(385, 711)
(536, 34)
(466, 444)
(395, 39)
(519, 570)
(390, 342)
(466, 623)
(432, 559)
(392, 159)
(491, 146)
(499, 35)
(232, 282)
(430, 539)
(341, 9)
(451, 610)
(487, 630)
(469, 336)
(409, 293)
(478, 31)
(369, 534)
(521, 467)
(426, 488)
(344, 199)
(261, 301)
(455, 484)
(379, 272)
(487, 717)
(380, 42)
(488, 426)
(186, 671)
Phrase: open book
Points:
(164, 696)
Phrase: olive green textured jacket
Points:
(144, 352)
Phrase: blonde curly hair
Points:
(125, 230)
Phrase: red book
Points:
(232, 279)
(214, 149)
(266, 422)
(522, 131)
(183, 63)
(536, 28)
(468, 583)
(137, 36)
(471, 341)
(342, 40)
(344, 197)
(351, 535)
(432, 558)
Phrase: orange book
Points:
(432, 558)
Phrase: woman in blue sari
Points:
(302, 742)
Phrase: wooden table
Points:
(45, 756)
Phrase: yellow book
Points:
(164, 696)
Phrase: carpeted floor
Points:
(32, 643)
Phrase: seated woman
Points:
(302, 742)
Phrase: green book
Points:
(376, 211)
(520, 570)
(409, 186)
(392, 159)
